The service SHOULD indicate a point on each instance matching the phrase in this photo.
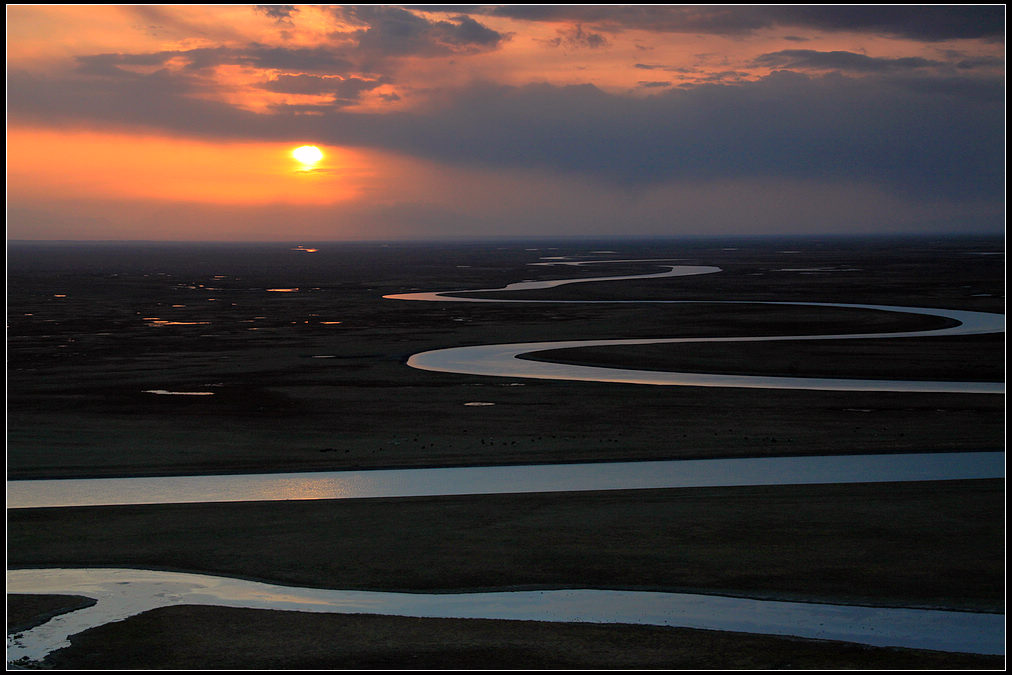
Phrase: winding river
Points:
(486, 480)
(502, 360)
(123, 593)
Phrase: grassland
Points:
(79, 366)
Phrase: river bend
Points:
(123, 593)
(503, 360)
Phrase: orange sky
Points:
(83, 164)
(352, 70)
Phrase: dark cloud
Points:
(158, 101)
(925, 141)
(576, 38)
(918, 22)
(659, 18)
(980, 62)
(982, 91)
(281, 14)
(929, 23)
(469, 33)
(300, 59)
(840, 60)
(115, 65)
(393, 31)
(924, 135)
(653, 84)
(317, 70)
(721, 77)
(297, 59)
(669, 69)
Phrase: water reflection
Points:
(165, 392)
(672, 271)
(155, 321)
(122, 593)
(503, 360)
(506, 479)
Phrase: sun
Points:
(307, 155)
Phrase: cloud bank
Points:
(636, 102)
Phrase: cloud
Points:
(973, 63)
(396, 32)
(917, 22)
(918, 134)
(840, 60)
(282, 14)
(669, 69)
(912, 134)
(162, 22)
(347, 88)
(117, 65)
(159, 101)
(657, 18)
(576, 38)
(322, 59)
(931, 23)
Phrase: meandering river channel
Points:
(502, 360)
(506, 479)
(123, 593)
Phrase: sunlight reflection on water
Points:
(506, 479)
(164, 392)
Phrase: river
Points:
(123, 593)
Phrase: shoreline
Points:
(771, 596)
(959, 632)
(673, 538)
(518, 464)
(267, 639)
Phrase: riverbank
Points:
(902, 358)
(355, 425)
(180, 638)
(27, 610)
(932, 544)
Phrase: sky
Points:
(178, 122)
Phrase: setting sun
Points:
(307, 155)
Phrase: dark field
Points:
(92, 327)
(78, 366)
(787, 542)
(189, 638)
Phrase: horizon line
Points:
(571, 237)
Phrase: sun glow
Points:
(307, 155)
(108, 166)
